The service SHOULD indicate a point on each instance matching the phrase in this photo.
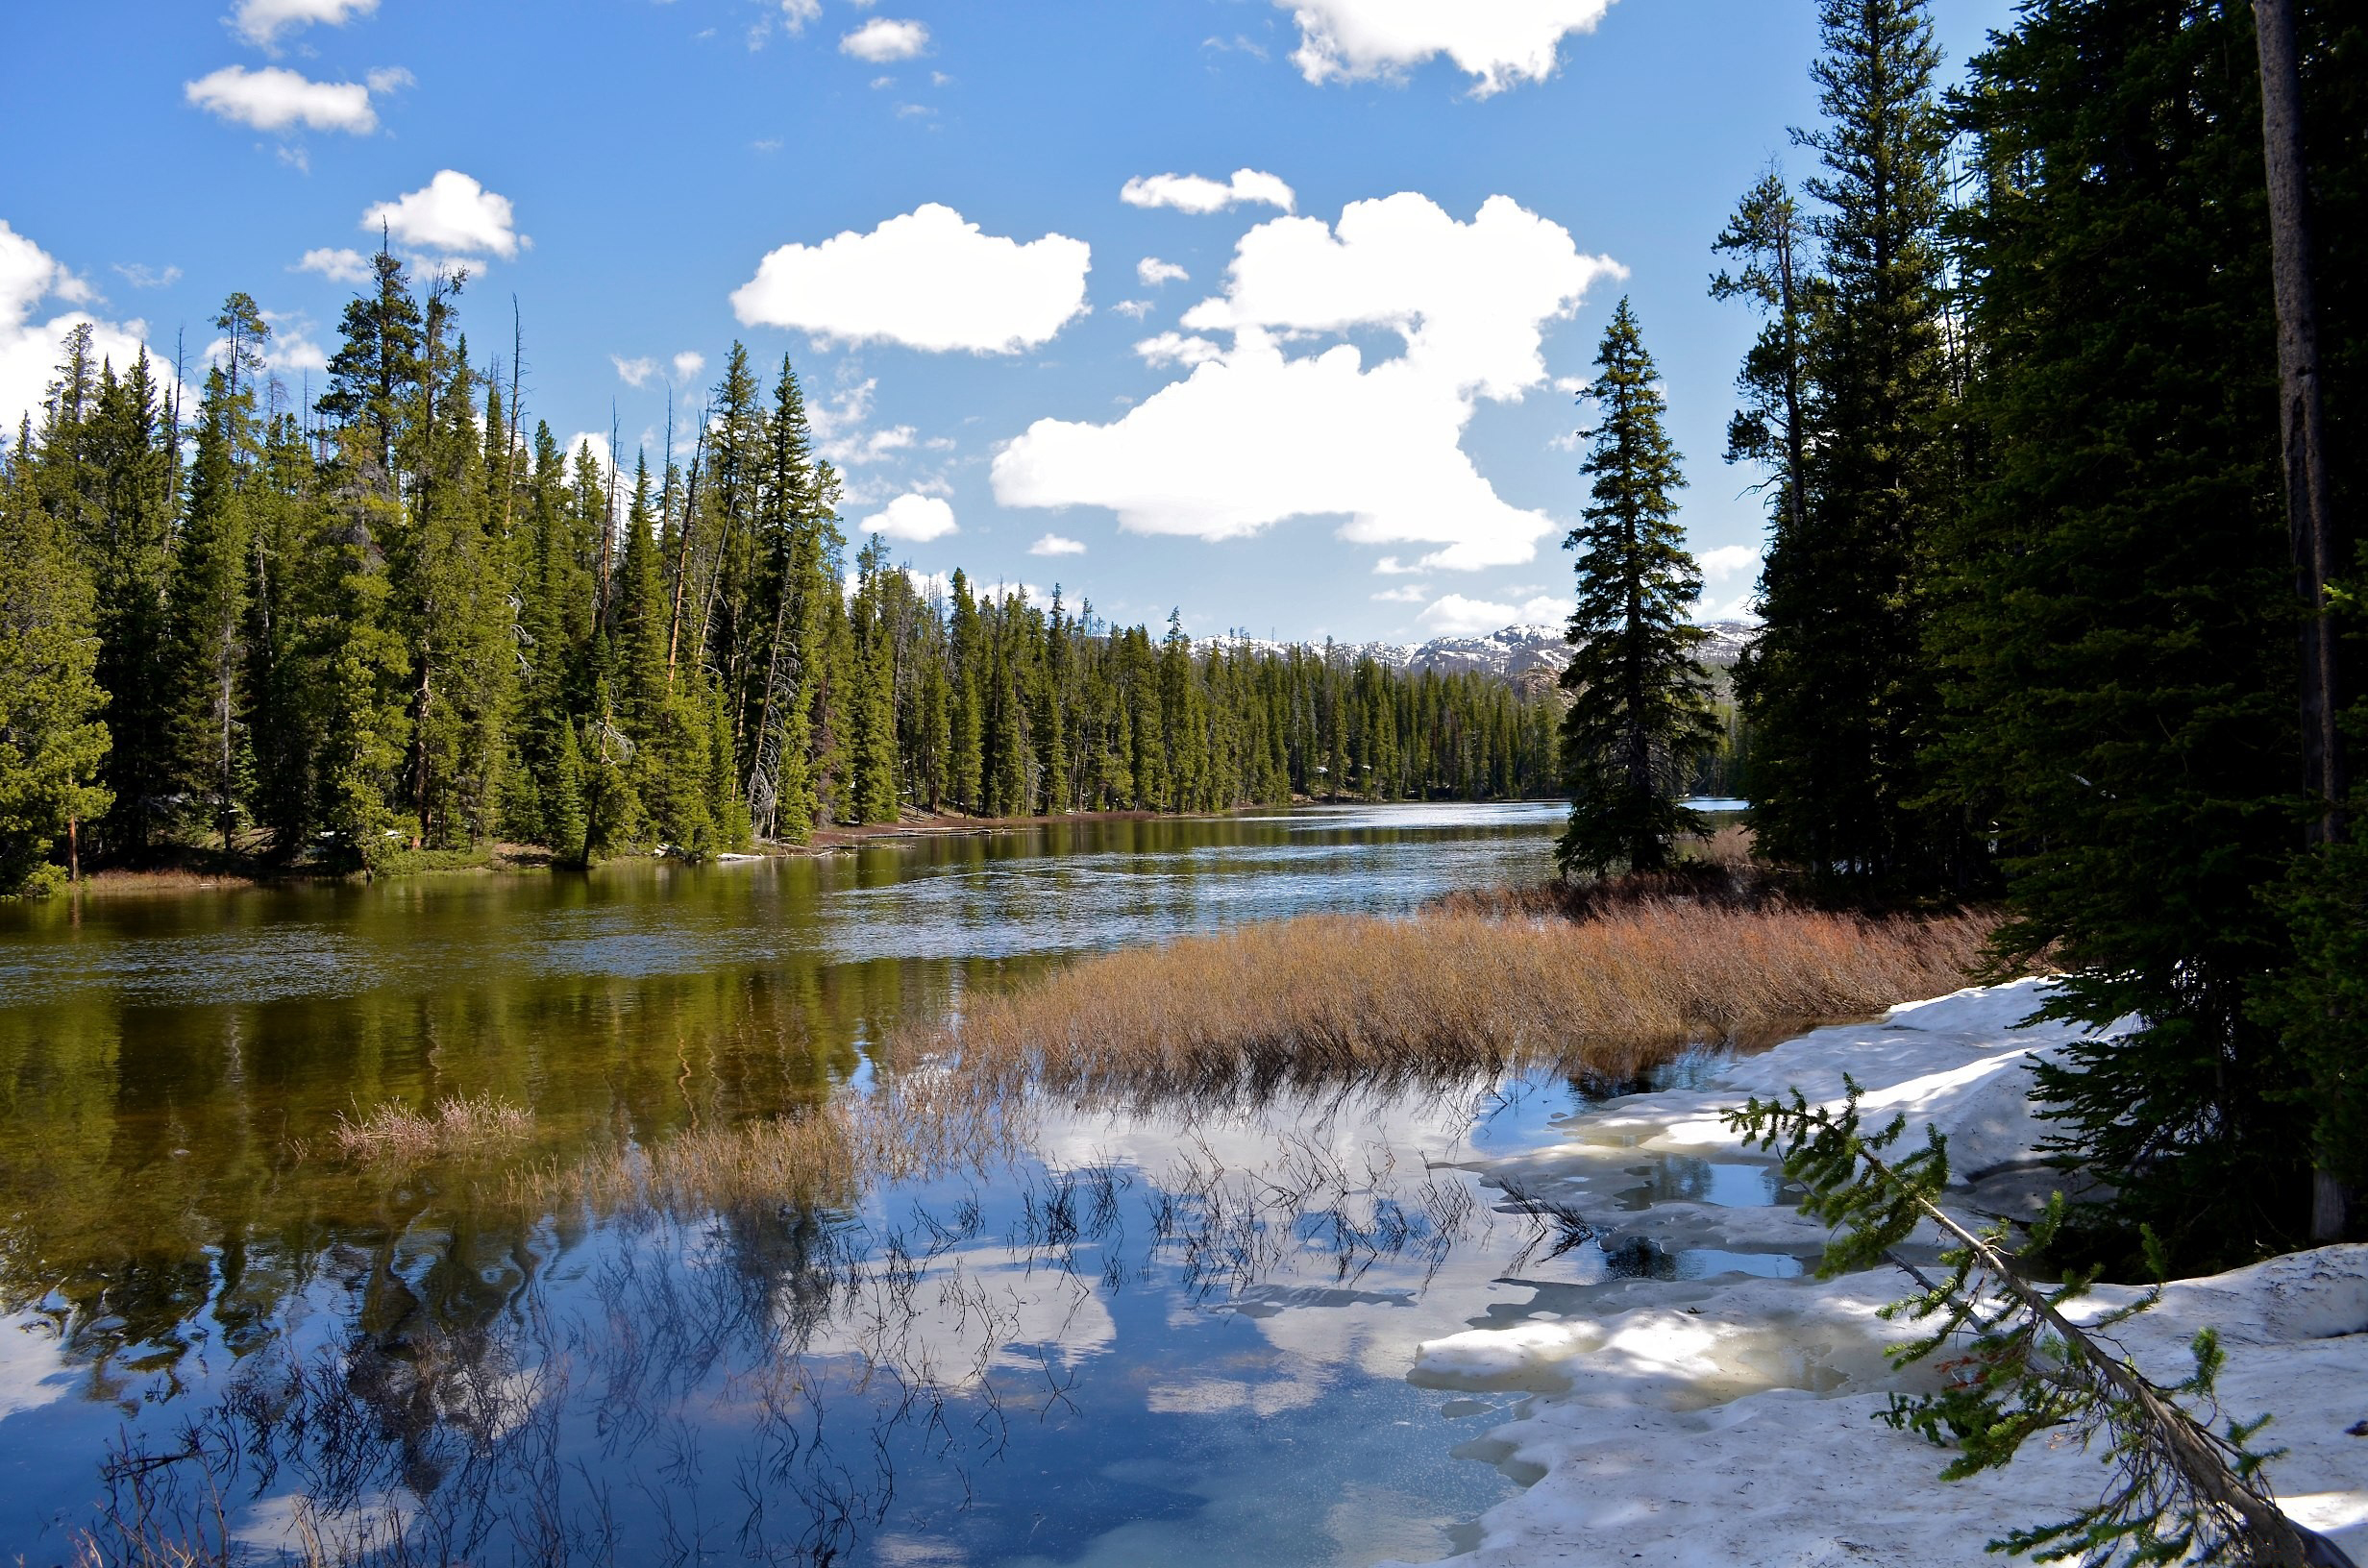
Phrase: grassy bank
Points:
(1477, 987)
(1448, 992)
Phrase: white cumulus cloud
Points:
(635, 372)
(1452, 615)
(1730, 574)
(452, 214)
(261, 22)
(1151, 272)
(914, 518)
(278, 99)
(1405, 593)
(927, 279)
(688, 364)
(339, 266)
(1198, 193)
(1323, 434)
(29, 349)
(1728, 561)
(884, 40)
(1497, 42)
(1053, 544)
(1179, 349)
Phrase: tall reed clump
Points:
(1446, 992)
(395, 1133)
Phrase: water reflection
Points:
(178, 1238)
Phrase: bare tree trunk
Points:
(2309, 499)
(682, 555)
(509, 451)
(73, 849)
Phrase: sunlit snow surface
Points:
(1732, 1422)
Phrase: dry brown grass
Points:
(395, 1133)
(1449, 992)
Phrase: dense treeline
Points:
(2031, 601)
(400, 622)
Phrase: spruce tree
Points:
(53, 736)
(1639, 704)
(1842, 698)
(204, 617)
(2120, 626)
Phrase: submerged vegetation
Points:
(394, 1134)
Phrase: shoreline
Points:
(194, 873)
(1733, 1419)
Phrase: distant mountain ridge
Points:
(1509, 654)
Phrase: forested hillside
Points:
(403, 619)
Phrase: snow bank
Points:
(1733, 1423)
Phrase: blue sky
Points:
(1341, 407)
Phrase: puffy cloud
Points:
(1133, 309)
(276, 99)
(1728, 561)
(1499, 42)
(1409, 593)
(1053, 544)
(30, 349)
(915, 517)
(927, 279)
(1730, 575)
(1471, 300)
(634, 372)
(688, 364)
(139, 275)
(452, 214)
(1324, 433)
(860, 448)
(1151, 272)
(1452, 615)
(882, 39)
(261, 22)
(1198, 193)
(1177, 349)
(1390, 566)
(796, 13)
(340, 266)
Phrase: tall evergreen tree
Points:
(1639, 700)
(53, 737)
(2119, 636)
(1842, 698)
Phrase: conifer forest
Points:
(402, 621)
(1134, 1077)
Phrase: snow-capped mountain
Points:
(1509, 654)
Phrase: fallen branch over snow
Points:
(2180, 1491)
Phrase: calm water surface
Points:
(1171, 1335)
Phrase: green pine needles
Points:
(2179, 1490)
(1641, 710)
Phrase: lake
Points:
(1161, 1334)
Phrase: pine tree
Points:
(128, 548)
(205, 617)
(1640, 705)
(1842, 695)
(2120, 621)
(53, 737)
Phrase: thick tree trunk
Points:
(2308, 498)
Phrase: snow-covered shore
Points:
(1731, 1422)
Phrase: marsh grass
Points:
(392, 1133)
(1451, 992)
(925, 1123)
